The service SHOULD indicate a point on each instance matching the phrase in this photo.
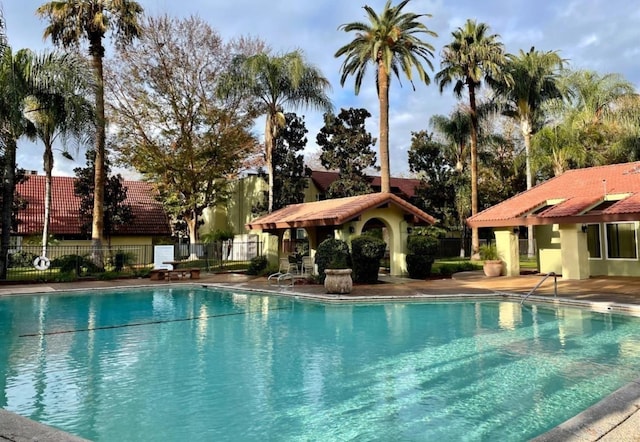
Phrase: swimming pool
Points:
(201, 364)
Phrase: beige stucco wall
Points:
(508, 250)
(549, 253)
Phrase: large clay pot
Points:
(338, 281)
(492, 268)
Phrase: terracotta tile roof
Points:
(333, 212)
(573, 197)
(149, 216)
(403, 187)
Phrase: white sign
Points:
(162, 254)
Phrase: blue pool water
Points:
(200, 364)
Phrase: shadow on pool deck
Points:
(615, 418)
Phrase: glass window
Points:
(593, 241)
(621, 241)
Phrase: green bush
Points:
(75, 264)
(123, 259)
(332, 254)
(257, 265)
(366, 252)
(421, 250)
(21, 259)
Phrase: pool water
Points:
(201, 364)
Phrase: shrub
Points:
(21, 259)
(332, 254)
(421, 250)
(257, 265)
(366, 253)
(123, 259)
(74, 264)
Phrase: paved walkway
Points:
(616, 418)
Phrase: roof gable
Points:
(571, 198)
(333, 212)
(149, 216)
(403, 187)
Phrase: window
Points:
(593, 241)
(621, 241)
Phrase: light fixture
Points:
(584, 228)
(409, 230)
(352, 229)
(516, 230)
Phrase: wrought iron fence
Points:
(68, 263)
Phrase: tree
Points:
(474, 55)
(15, 86)
(436, 193)
(275, 83)
(63, 112)
(456, 131)
(116, 212)
(346, 147)
(532, 78)
(172, 125)
(390, 41)
(290, 172)
(70, 23)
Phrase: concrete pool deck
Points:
(615, 418)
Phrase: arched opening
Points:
(379, 228)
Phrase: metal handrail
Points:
(544, 278)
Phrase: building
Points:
(586, 222)
(149, 223)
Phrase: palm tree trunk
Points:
(475, 239)
(268, 147)
(48, 168)
(8, 189)
(383, 99)
(97, 227)
(526, 134)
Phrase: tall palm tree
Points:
(533, 79)
(60, 112)
(391, 42)
(70, 23)
(15, 87)
(474, 55)
(277, 82)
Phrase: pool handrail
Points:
(544, 278)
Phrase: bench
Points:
(158, 274)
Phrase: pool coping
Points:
(614, 418)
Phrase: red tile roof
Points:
(571, 198)
(403, 187)
(333, 212)
(149, 216)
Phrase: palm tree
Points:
(456, 129)
(533, 79)
(61, 112)
(391, 43)
(70, 22)
(474, 55)
(15, 87)
(277, 82)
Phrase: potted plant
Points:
(333, 258)
(492, 263)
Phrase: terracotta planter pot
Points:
(492, 268)
(338, 281)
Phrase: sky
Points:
(599, 35)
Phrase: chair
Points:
(307, 266)
(284, 268)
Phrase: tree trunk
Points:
(383, 99)
(8, 191)
(48, 168)
(268, 147)
(97, 226)
(526, 135)
(192, 226)
(475, 239)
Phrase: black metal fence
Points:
(68, 263)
